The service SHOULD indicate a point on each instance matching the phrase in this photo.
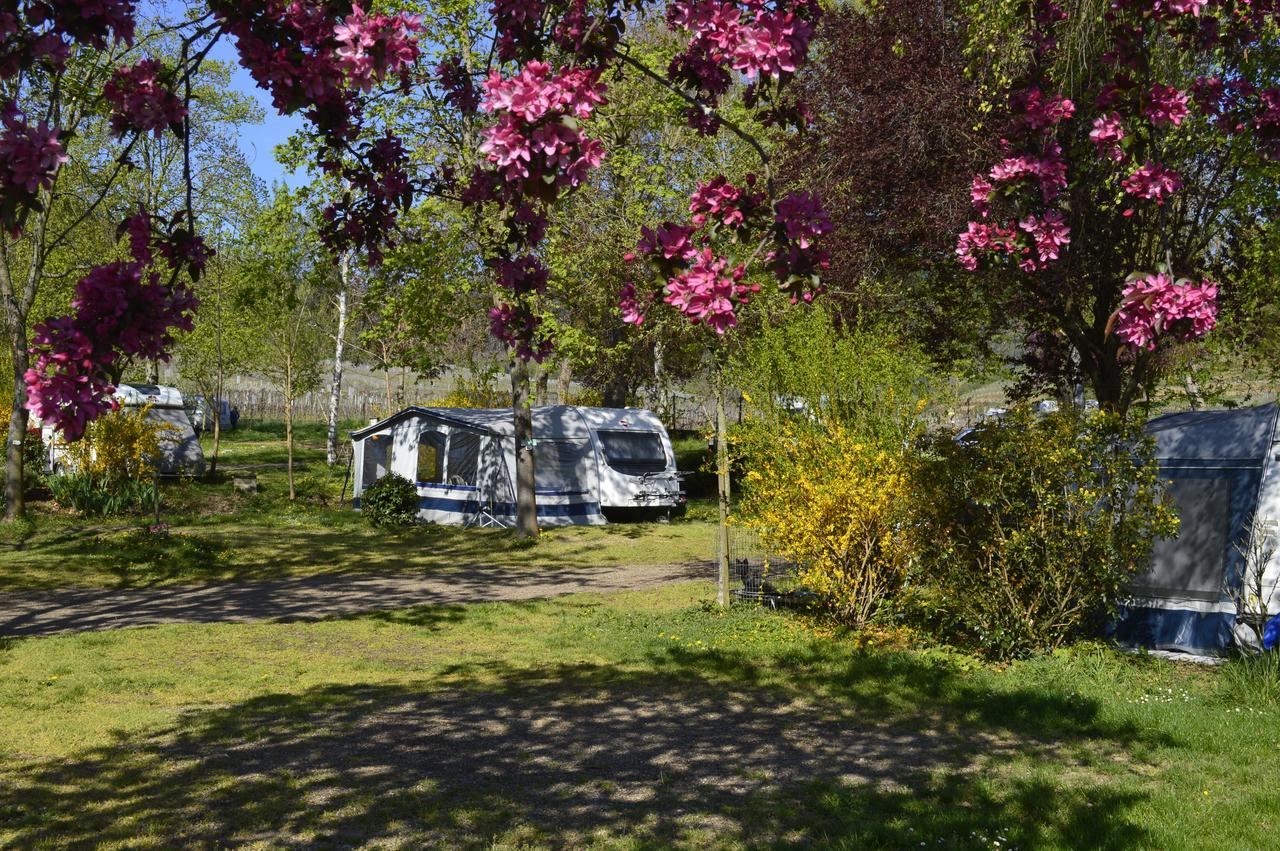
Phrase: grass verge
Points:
(634, 720)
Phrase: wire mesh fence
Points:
(758, 574)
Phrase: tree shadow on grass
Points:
(575, 755)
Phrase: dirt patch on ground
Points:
(315, 597)
(378, 767)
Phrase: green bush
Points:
(391, 501)
(1031, 530)
(99, 497)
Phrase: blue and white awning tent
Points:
(586, 460)
(1222, 470)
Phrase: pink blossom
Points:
(141, 102)
(1043, 111)
(632, 312)
(1154, 305)
(373, 46)
(1166, 105)
(1153, 181)
(802, 218)
(980, 193)
(1107, 134)
(1182, 7)
(119, 312)
(723, 202)
(703, 294)
(1049, 232)
(670, 241)
(29, 156)
(981, 238)
(460, 89)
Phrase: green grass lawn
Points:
(222, 535)
(633, 720)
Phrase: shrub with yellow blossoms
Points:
(837, 507)
(120, 446)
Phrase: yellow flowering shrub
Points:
(120, 446)
(835, 505)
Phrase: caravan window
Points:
(633, 452)
(560, 465)
(375, 458)
(1193, 564)
(464, 457)
(431, 457)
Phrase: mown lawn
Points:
(221, 535)
(634, 720)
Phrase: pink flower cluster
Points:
(532, 145)
(1107, 134)
(1166, 105)
(980, 239)
(1032, 240)
(696, 283)
(1154, 305)
(374, 46)
(141, 102)
(1041, 111)
(1152, 181)
(459, 89)
(29, 156)
(92, 22)
(747, 36)
(119, 311)
(1048, 169)
(1179, 7)
(802, 218)
(518, 326)
(364, 218)
(722, 203)
(706, 296)
(1049, 233)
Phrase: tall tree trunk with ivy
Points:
(335, 387)
(522, 414)
(722, 492)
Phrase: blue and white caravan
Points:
(1222, 471)
(587, 461)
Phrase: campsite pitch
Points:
(632, 720)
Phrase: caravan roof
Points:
(550, 422)
(1240, 435)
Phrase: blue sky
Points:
(258, 141)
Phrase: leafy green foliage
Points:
(804, 368)
(390, 502)
(1030, 530)
(97, 496)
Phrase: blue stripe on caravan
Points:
(1174, 629)
(461, 506)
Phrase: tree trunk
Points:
(390, 410)
(722, 492)
(526, 498)
(288, 422)
(14, 493)
(563, 381)
(219, 384)
(544, 378)
(1194, 397)
(615, 394)
(335, 388)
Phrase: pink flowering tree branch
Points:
(1120, 168)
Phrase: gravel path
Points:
(313, 597)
